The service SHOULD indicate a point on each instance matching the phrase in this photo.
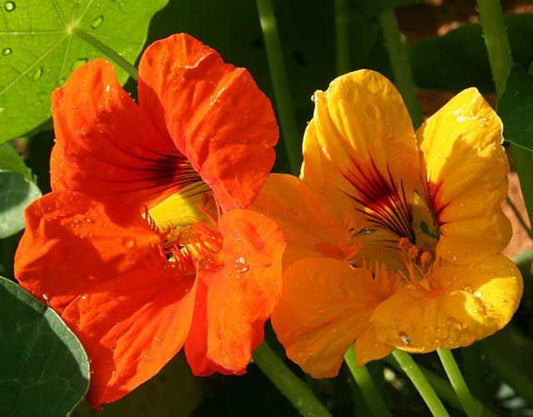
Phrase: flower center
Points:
(403, 212)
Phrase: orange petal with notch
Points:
(215, 114)
(105, 146)
(131, 327)
(70, 245)
(235, 301)
(325, 305)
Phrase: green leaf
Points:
(44, 370)
(39, 49)
(459, 59)
(16, 192)
(515, 108)
(11, 161)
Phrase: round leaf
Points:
(44, 370)
(40, 46)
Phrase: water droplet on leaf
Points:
(97, 21)
(9, 6)
(37, 74)
(7, 51)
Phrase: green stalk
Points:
(401, 68)
(362, 377)
(441, 387)
(342, 36)
(501, 61)
(106, 50)
(420, 382)
(296, 391)
(471, 407)
(282, 95)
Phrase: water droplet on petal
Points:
(37, 74)
(478, 294)
(97, 21)
(45, 297)
(89, 220)
(7, 51)
(128, 243)
(404, 338)
(9, 6)
(241, 265)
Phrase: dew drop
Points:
(478, 294)
(240, 265)
(9, 6)
(89, 220)
(45, 297)
(37, 74)
(128, 243)
(97, 21)
(404, 338)
(7, 51)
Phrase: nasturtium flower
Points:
(145, 244)
(393, 236)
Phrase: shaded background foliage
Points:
(447, 54)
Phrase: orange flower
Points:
(392, 236)
(145, 245)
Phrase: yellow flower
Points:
(393, 236)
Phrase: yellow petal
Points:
(359, 121)
(467, 170)
(309, 223)
(465, 304)
(324, 306)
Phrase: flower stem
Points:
(420, 382)
(280, 82)
(471, 407)
(441, 387)
(362, 377)
(501, 61)
(297, 392)
(342, 36)
(106, 50)
(399, 60)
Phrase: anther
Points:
(413, 252)
(425, 258)
(403, 243)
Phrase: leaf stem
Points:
(399, 60)
(282, 95)
(362, 377)
(501, 61)
(420, 382)
(471, 407)
(296, 391)
(342, 36)
(106, 50)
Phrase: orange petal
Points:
(214, 112)
(234, 301)
(105, 146)
(325, 305)
(70, 245)
(360, 129)
(310, 225)
(131, 327)
(467, 169)
(465, 304)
